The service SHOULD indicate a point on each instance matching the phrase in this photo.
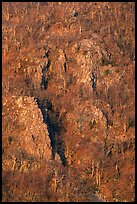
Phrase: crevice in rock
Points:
(44, 81)
(52, 121)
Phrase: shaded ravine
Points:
(54, 129)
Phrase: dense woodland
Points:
(68, 116)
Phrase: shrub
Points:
(107, 71)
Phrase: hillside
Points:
(68, 101)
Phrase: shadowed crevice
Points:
(54, 129)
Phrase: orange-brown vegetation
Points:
(68, 120)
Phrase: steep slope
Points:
(68, 101)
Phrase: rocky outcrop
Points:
(25, 136)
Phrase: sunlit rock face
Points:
(25, 136)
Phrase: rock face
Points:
(25, 136)
(68, 101)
